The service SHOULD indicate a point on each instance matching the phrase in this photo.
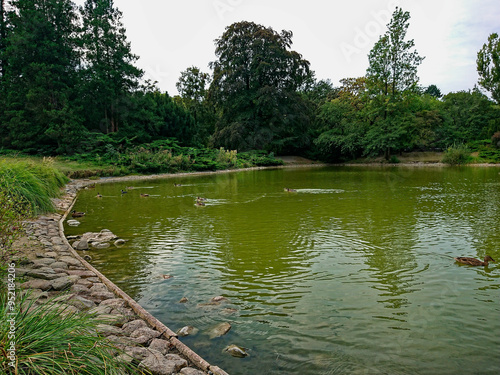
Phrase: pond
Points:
(352, 273)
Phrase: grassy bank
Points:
(162, 156)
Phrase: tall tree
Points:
(391, 80)
(3, 36)
(41, 75)
(192, 87)
(255, 89)
(488, 66)
(109, 72)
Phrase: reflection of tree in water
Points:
(385, 218)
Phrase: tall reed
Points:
(33, 183)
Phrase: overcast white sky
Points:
(334, 36)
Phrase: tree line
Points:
(69, 85)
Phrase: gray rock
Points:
(45, 274)
(73, 223)
(160, 365)
(191, 371)
(101, 296)
(187, 331)
(144, 335)
(81, 303)
(236, 351)
(59, 265)
(99, 287)
(37, 284)
(101, 246)
(70, 261)
(219, 330)
(51, 254)
(42, 262)
(119, 242)
(138, 352)
(82, 273)
(114, 303)
(134, 325)
(108, 330)
(113, 319)
(80, 289)
(160, 345)
(100, 310)
(81, 245)
(62, 283)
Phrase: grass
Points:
(48, 340)
(33, 183)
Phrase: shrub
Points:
(495, 140)
(456, 155)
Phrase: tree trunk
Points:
(387, 153)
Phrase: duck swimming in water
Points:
(290, 190)
(474, 261)
(144, 195)
(77, 214)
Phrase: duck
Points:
(199, 203)
(124, 192)
(290, 190)
(177, 185)
(474, 261)
(200, 199)
(98, 195)
(144, 195)
(77, 214)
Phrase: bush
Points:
(456, 155)
(495, 140)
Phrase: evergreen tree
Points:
(109, 76)
(40, 76)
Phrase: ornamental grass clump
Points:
(49, 339)
(33, 183)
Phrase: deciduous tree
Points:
(488, 66)
(391, 75)
(255, 88)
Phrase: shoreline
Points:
(56, 267)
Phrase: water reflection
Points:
(352, 273)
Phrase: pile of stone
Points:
(98, 241)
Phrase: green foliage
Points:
(32, 183)
(488, 66)
(469, 116)
(39, 105)
(495, 139)
(434, 91)
(13, 212)
(457, 155)
(109, 74)
(255, 90)
(51, 340)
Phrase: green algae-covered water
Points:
(351, 274)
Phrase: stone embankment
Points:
(57, 267)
